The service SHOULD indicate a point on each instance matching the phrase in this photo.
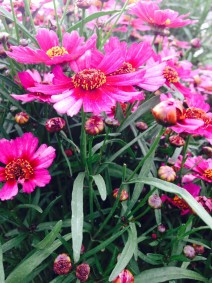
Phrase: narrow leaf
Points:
(1, 266)
(100, 183)
(77, 215)
(33, 206)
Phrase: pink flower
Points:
(50, 52)
(29, 79)
(24, 165)
(150, 13)
(95, 86)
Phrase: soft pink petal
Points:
(43, 157)
(47, 39)
(28, 187)
(41, 178)
(9, 190)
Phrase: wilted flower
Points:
(177, 141)
(124, 277)
(155, 201)
(141, 126)
(111, 122)
(94, 125)
(82, 272)
(54, 125)
(21, 118)
(124, 194)
(167, 173)
(62, 264)
(189, 252)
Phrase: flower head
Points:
(82, 272)
(62, 264)
(24, 164)
(54, 125)
(124, 277)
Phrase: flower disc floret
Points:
(170, 74)
(89, 79)
(125, 69)
(195, 113)
(56, 51)
(208, 173)
(18, 169)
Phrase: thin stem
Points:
(15, 21)
(27, 6)
(57, 20)
(82, 22)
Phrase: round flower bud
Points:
(68, 152)
(124, 194)
(197, 80)
(111, 122)
(155, 201)
(207, 150)
(82, 272)
(62, 264)
(83, 4)
(141, 126)
(167, 112)
(154, 236)
(189, 252)
(177, 141)
(94, 125)
(198, 249)
(4, 36)
(196, 43)
(21, 118)
(161, 228)
(167, 173)
(24, 42)
(82, 249)
(124, 277)
(54, 125)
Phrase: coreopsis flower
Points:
(82, 272)
(205, 202)
(124, 277)
(62, 264)
(94, 125)
(21, 118)
(50, 52)
(95, 85)
(55, 124)
(151, 14)
(29, 79)
(25, 164)
(166, 173)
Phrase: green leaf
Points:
(2, 278)
(33, 206)
(13, 243)
(126, 254)
(164, 274)
(91, 18)
(172, 188)
(49, 239)
(77, 215)
(100, 183)
(25, 268)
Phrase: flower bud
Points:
(21, 118)
(141, 126)
(154, 236)
(83, 4)
(161, 228)
(196, 43)
(155, 201)
(197, 80)
(167, 173)
(111, 122)
(198, 249)
(24, 42)
(124, 194)
(54, 125)
(62, 264)
(82, 250)
(4, 36)
(94, 125)
(205, 202)
(68, 152)
(177, 141)
(167, 112)
(124, 277)
(82, 272)
(207, 150)
(189, 252)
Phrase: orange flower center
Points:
(56, 51)
(170, 74)
(125, 69)
(194, 113)
(208, 173)
(89, 79)
(19, 168)
(180, 203)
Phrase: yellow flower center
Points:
(125, 69)
(180, 203)
(56, 51)
(208, 173)
(89, 79)
(19, 168)
(168, 22)
(170, 74)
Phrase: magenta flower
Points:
(50, 52)
(24, 164)
(95, 86)
(151, 14)
(30, 79)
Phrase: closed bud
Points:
(167, 112)
(154, 236)
(94, 125)
(141, 126)
(167, 173)
(21, 118)
(207, 150)
(24, 42)
(155, 201)
(68, 152)
(62, 264)
(4, 36)
(124, 277)
(124, 194)
(54, 125)
(197, 80)
(82, 272)
(83, 4)
(177, 141)
(161, 228)
(111, 122)
(189, 252)
(196, 43)
(198, 249)
(82, 250)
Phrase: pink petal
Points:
(9, 190)
(47, 39)
(43, 157)
(41, 178)
(28, 187)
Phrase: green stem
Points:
(65, 10)
(57, 20)
(27, 6)
(82, 22)
(83, 138)
(184, 154)
(15, 21)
